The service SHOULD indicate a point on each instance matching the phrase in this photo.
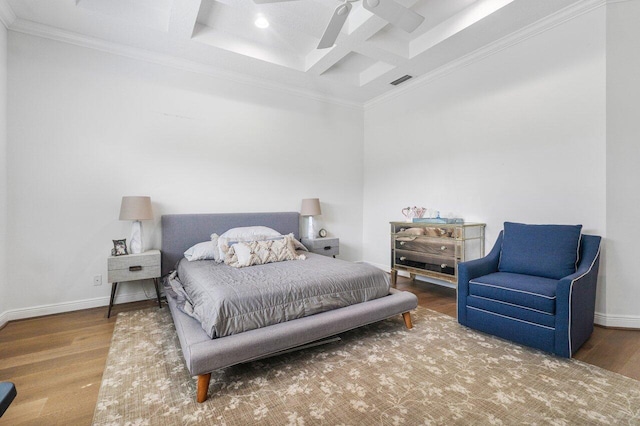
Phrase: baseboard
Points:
(605, 320)
(617, 321)
(58, 308)
(385, 268)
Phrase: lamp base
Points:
(311, 231)
(135, 242)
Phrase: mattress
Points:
(228, 300)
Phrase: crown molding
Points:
(9, 19)
(545, 24)
(56, 34)
(7, 16)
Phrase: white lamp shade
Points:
(310, 207)
(136, 208)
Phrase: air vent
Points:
(401, 80)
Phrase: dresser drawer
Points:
(406, 255)
(133, 267)
(429, 231)
(411, 258)
(324, 246)
(440, 248)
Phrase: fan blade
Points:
(270, 1)
(335, 25)
(396, 14)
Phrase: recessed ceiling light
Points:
(261, 22)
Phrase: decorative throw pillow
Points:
(549, 251)
(245, 233)
(249, 253)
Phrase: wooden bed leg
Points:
(407, 320)
(203, 386)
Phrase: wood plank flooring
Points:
(57, 361)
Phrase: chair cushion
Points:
(549, 251)
(528, 291)
(509, 310)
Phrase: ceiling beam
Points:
(182, 20)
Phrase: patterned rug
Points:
(437, 373)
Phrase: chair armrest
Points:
(469, 270)
(479, 267)
(575, 299)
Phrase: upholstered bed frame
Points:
(204, 355)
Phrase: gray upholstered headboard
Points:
(181, 231)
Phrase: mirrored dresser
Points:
(434, 250)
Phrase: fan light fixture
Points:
(261, 22)
(392, 12)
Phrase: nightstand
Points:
(324, 246)
(133, 267)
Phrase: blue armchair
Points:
(7, 394)
(536, 287)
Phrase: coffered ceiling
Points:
(219, 37)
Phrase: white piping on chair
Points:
(578, 252)
(511, 304)
(511, 289)
(571, 292)
(511, 318)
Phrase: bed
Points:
(203, 354)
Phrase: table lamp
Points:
(311, 207)
(136, 209)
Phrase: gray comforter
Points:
(230, 300)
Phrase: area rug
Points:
(437, 373)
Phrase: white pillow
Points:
(297, 244)
(207, 250)
(250, 233)
(215, 240)
(245, 233)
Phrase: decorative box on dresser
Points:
(328, 246)
(434, 250)
(133, 267)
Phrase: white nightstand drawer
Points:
(134, 266)
(324, 246)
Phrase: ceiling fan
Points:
(388, 10)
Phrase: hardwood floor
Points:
(57, 361)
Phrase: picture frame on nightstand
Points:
(119, 247)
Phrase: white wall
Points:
(3, 169)
(517, 136)
(86, 128)
(623, 158)
(543, 131)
